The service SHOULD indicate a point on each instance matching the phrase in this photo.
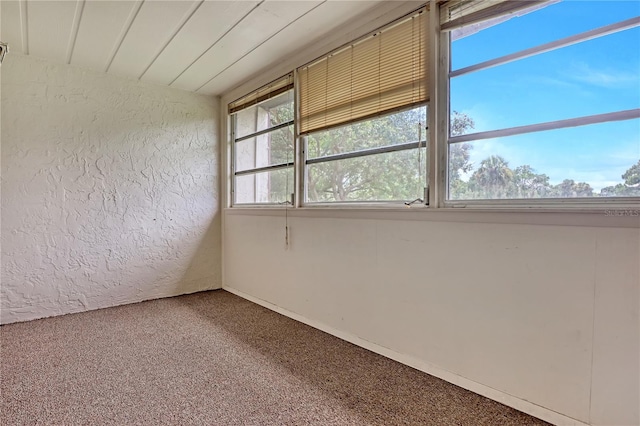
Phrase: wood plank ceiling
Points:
(205, 46)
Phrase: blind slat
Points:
(264, 93)
(383, 72)
(458, 13)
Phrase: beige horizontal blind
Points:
(264, 93)
(379, 73)
(457, 13)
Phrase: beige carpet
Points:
(215, 359)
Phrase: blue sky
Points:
(593, 77)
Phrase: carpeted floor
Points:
(215, 359)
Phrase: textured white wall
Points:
(109, 190)
(530, 315)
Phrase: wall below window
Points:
(541, 317)
(109, 190)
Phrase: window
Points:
(545, 101)
(263, 145)
(381, 159)
(539, 103)
(363, 117)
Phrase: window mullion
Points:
(264, 169)
(299, 177)
(439, 118)
(262, 132)
(367, 152)
(549, 125)
(232, 159)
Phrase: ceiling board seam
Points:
(261, 43)
(24, 22)
(74, 29)
(216, 42)
(181, 25)
(125, 31)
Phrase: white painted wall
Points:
(542, 317)
(537, 310)
(109, 190)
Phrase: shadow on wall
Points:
(204, 271)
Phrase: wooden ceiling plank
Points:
(310, 30)
(265, 21)
(289, 25)
(74, 29)
(154, 23)
(49, 28)
(102, 25)
(123, 33)
(186, 18)
(24, 26)
(205, 28)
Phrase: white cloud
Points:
(608, 78)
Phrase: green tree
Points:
(569, 189)
(397, 175)
(529, 184)
(459, 156)
(401, 175)
(632, 176)
(493, 179)
(620, 190)
(630, 187)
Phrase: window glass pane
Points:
(267, 187)
(550, 23)
(587, 161)
(393, 129)
(597, 76)
(392, 176)
(265, 115)
(271, 148)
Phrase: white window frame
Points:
(438, 140)
(443, 76)
(231, 122)
(428, 143)
(423, 200)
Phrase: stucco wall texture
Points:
(109, 190)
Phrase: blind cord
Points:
(420, 189)
(286, 203)
(419, 154)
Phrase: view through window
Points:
(363, 116)
(546, 104)
(263, 151)
(382, 159)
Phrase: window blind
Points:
(457, 13)
(384, 71)
(264, 93)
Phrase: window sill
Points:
(598, 216)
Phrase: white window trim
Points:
(605, 218)
(586, 204)
(407, 146)
(231, 158)
(437, 170)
